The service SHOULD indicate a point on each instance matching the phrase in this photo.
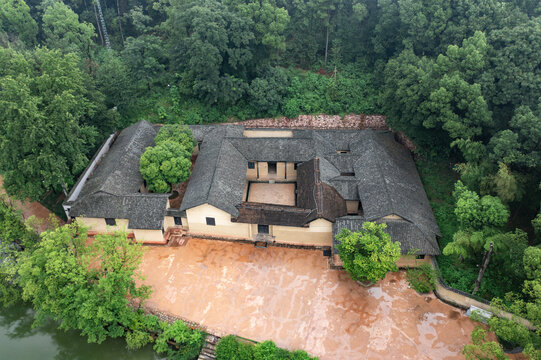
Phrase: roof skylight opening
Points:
(343, 151)
(347, 174)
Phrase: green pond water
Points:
(18, 341)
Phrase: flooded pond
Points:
(18, 340)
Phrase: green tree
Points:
(515, 64)
(178, 133)
(43, 143)
(113, 79)
(532, 262)
(165, 164)
(14, 238)
(441, 95)
(16, 21)
(267, 92)
(84, 286)
(210, 48)
(521, 143)
(368, 254)
(268, 24)
(189, 341)
(477, 213)
(145, 59)
(480, 221)
(481, 349)
(64, 31)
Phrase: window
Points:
(211, 221)
(251, 165)
(263, 229)
(178, 221)
(353, 207)
(110, 221)
(347, 174)
(272, 167)
(420, 257)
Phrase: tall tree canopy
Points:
(17, 23)
(368, 254)
(63, 30)
(43, 141)
(85, 287)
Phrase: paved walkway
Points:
(291, 297)
(29, 208)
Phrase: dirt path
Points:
(291, 297)
(29, 208)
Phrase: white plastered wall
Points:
(197, 223)
(98, 224)
(149, 236)
(318, 233)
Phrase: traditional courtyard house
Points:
(269, 186)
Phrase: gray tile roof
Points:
(409, 235)
(382, 174)
(218, 175)
(275, 149)
(112, 190)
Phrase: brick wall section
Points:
(348, 122)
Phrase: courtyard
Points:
(292, 297)
(272, 193)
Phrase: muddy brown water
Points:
(293, 298)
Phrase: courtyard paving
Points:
(293, 298)
(278, 193)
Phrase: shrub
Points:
(229, 348)
(268, 350)
(482, 349)
(189, 341)
(422, 278)
(510, 333)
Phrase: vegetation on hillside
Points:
(462, 79)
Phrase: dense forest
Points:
(461, 78)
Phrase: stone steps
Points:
(209, 349)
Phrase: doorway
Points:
(272, 167)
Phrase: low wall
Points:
(464, 300)
(323, 121)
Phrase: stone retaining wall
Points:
(152, 309)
